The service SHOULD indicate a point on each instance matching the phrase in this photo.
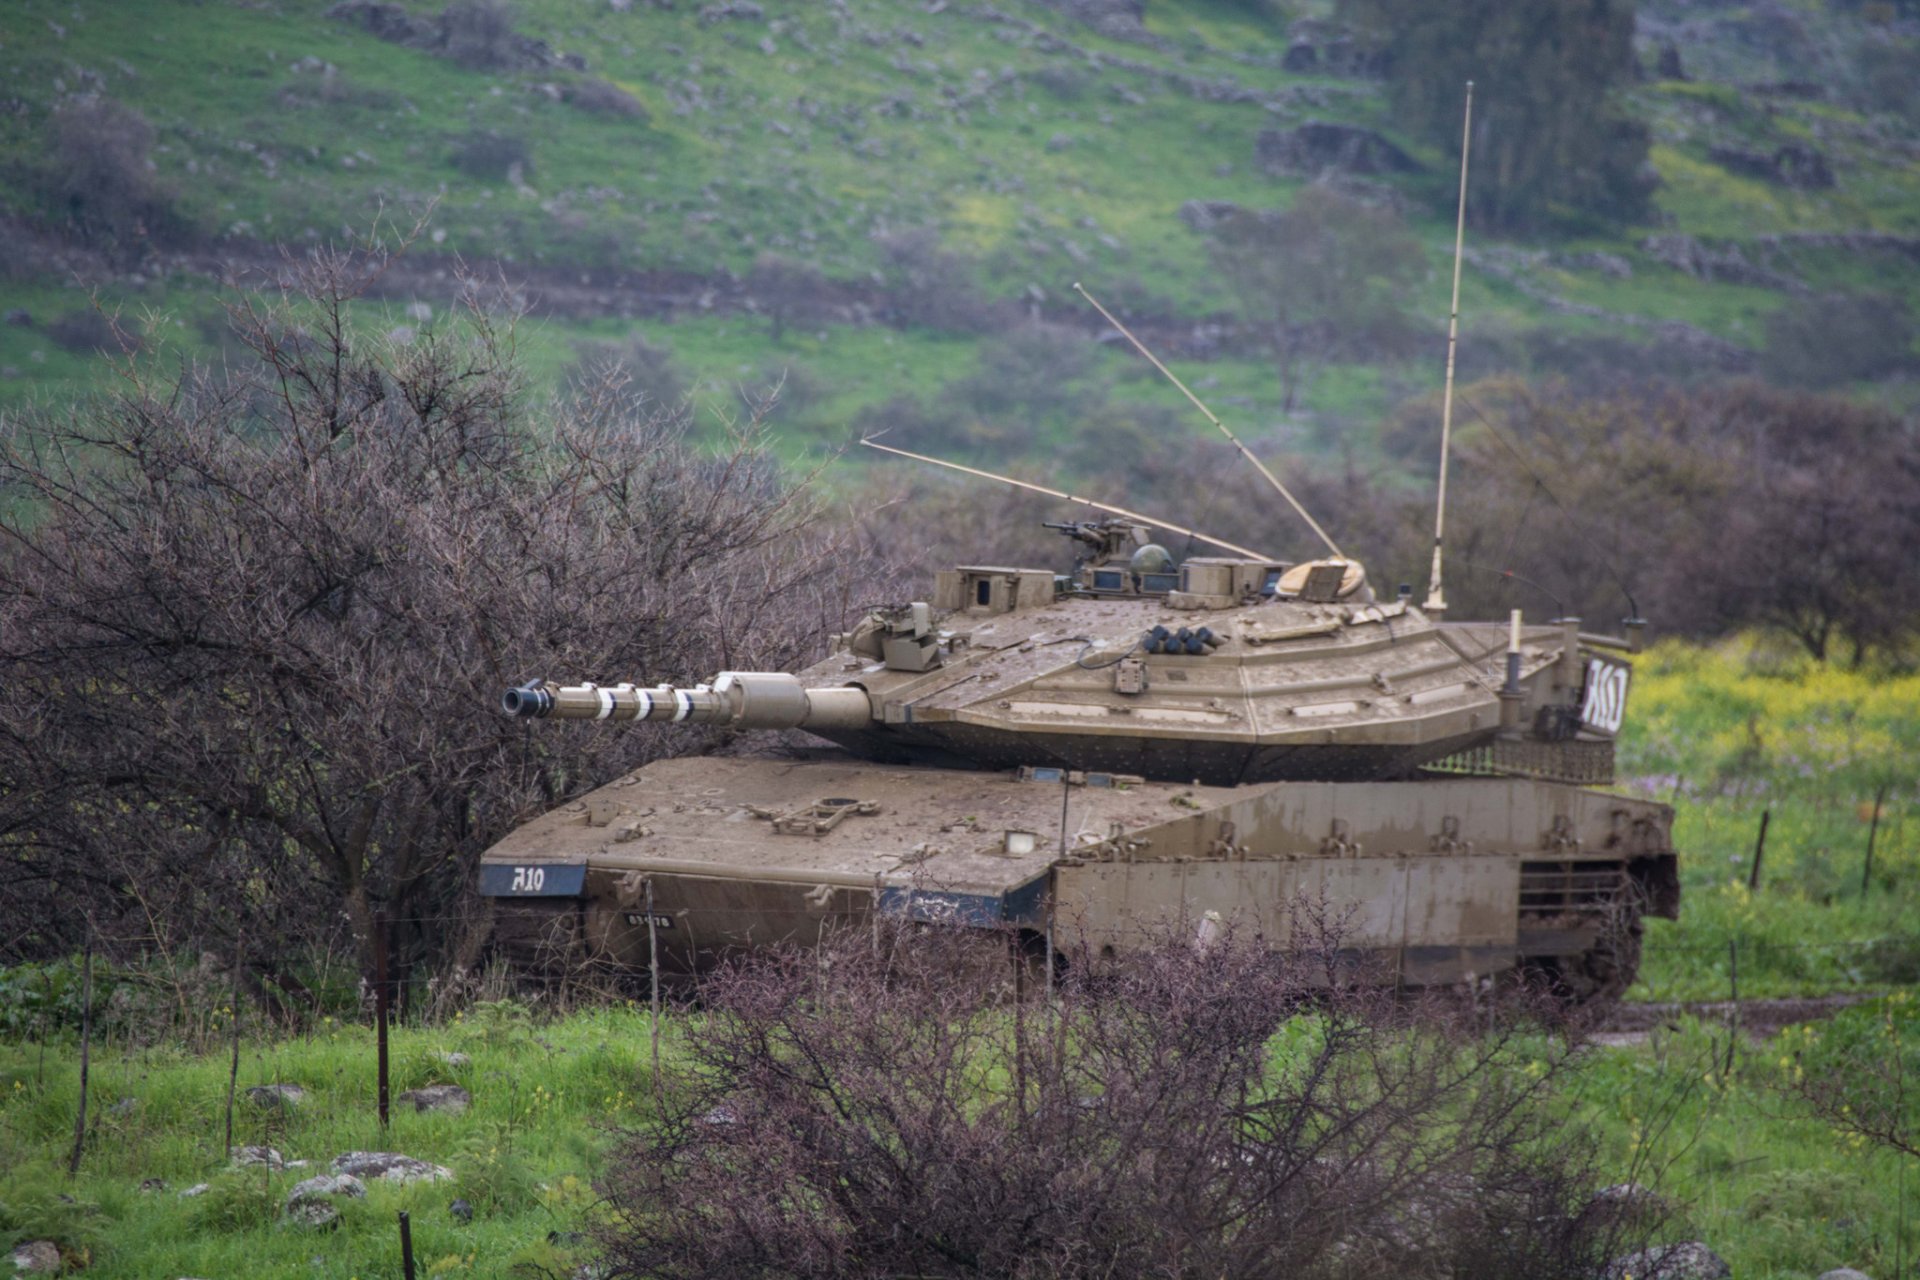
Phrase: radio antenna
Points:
(1245, 452)
(1072, 497)
(1436, 593)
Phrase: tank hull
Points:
(1429, 882)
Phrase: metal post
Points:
(1873, 831)
(653, 973)
(86, 1048)
(406, 1245)
(1759, 851)
(233, 1064)
(380, 998)
(1733, 984)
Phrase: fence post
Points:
(1733, 1016)
(380, 997)
(653, 974)
(1759, 851)
(86, 1048)
(406, 1244)
(233, 1063)
(1873, 831)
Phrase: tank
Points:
(1137, 747)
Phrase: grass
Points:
(524, 1154)
(1733, 731)
(1773, 1191)
(815, 136)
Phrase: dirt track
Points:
(1625, 1023)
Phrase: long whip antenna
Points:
(1245, 452)
(1436, 592)
(1070, 497)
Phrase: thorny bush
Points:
(255, 622)
(882, 1108)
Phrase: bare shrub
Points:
(89, 331)
(1825, 341)
(101, 178)
(254, 625)
(646, 373)
(1717, 508)
(491, 156)
(926, 286)
(882, 1108)
(784, 288)
(480, 34)
(1321, 279)
(603, 98)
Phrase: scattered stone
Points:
(461, 1210)
(1059, 142)
(1318, 147)
(1668, 66)
(310, 1203)
(736, 11)
(389, 1166)
(152, 1185)
(276, 1097)
(1794, 165)
(315, 1215)
(197, 1189)
(454, 1061)
(124, 1107)
(245, 1156)
(450, 1098)
(1844, 1273)
(37, 1257)
(1703, 261)
(1690, 1260)
(1607, 264)
(1204, 215)
(1119, 19)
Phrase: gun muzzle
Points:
(743, 699)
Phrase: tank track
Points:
(540, 939)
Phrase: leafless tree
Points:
(1321, 278)
(884, 1107)
(254, 623)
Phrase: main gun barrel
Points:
(742, 699)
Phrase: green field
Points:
(1734, 731)
(1033, 150)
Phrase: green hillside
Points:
(868, 194)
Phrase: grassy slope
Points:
(1039, 168)
(1730, 732)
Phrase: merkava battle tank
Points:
(1098, 758)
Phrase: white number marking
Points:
(1606, 703)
